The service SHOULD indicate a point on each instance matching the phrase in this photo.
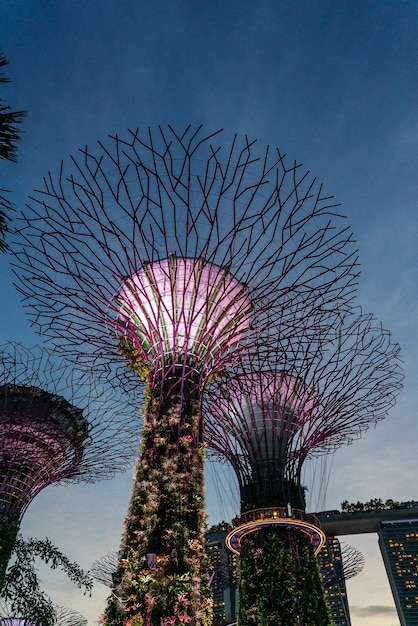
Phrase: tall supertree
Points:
(293, 401)
(171, 250)
(56, 425)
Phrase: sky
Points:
(332, 84)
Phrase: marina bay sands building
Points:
(397, 530)
(398, 541)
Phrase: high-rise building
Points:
(398, 541)
(223, 578)
(330, 560)
(397, 528)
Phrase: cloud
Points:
(374, 610)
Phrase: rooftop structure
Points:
(336, 523)
(169, 249)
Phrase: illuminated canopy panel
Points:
(306, 399)
(16, 621)
(314, 395)
(266, 411)
(183, 310)
(53, 415)
(239, 216)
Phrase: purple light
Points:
(266, 411)
(42, 439)
(135, 204)
(179, 308)
(47, 438)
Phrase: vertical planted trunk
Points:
(162, 575)
(280, 583)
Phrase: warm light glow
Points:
(181, 307)
(303, 522)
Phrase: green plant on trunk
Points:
(163, 573)
(280, 583)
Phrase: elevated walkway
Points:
(335, 523)
(275, 517)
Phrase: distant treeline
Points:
(222, 526)
(376, 504)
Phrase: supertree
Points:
(57, 425)
(290, 402)
(103, 569)
(339, 562)
(62, 617)
(169, 249)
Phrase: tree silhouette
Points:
(22, 595)
(9, 137)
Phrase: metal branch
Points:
(150, 196)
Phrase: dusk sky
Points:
(334, 84)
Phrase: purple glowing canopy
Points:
(267, 412)
(295, 399)
(57, 424)
(42, 438)
(113, 212)
(17, 621)
(183, 309)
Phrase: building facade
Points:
(397, 529)
(332, 571)
(398, 541)
(223, 578)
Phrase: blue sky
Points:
(334, 85)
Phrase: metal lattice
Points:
(292, 400)
(57, 424)
(151, 204)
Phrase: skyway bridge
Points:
(335, 523)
